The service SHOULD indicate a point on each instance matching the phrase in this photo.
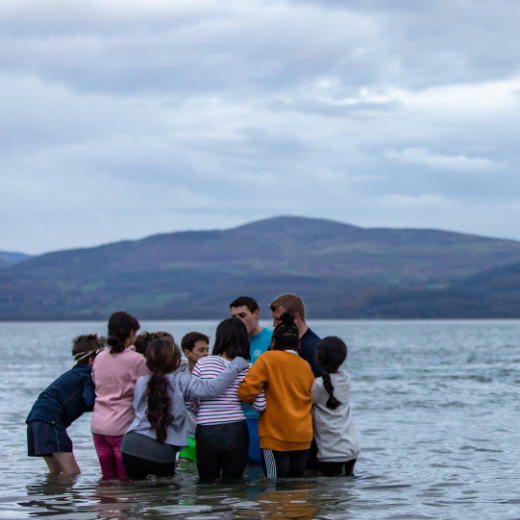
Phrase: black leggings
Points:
(334, 469)
(284, 464)
(138, 469)
(222, 450)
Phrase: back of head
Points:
(291, 303)
(286, 335)
(188, 341)
(86, 346)
(162, 357)
(162, 334)
(331, 353)
(232, 339)
(246, 301)
(120, 326)
(142, 341)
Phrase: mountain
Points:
(341, 271)
(8, 258)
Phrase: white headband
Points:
(86, 354)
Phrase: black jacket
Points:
(308, 343)
(66, 399)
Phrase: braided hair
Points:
(286, 335)
(331, 353)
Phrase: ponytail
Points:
(162, 357)
(120, 326)
(285, 334)
(332, 403)
(158, 412)
(331, 353)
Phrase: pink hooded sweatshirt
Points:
(114, 377)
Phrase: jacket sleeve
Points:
(254, 382)
(319, 394)
(199, 388)
(141, 369)
(89, 394)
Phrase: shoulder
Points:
(210, 362)
(342, 377)
(311, 337)
(265, 334)
(318, 382)
(100, 358)
(82, 371)
(142, 382)
(183, 368)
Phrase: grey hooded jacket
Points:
(334, 430)
(181, 386)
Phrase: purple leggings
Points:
(108, 450)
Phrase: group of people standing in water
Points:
(278, 399)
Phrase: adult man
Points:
(308, 339)
(246, 309)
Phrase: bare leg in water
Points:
(62, 463)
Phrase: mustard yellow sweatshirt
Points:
(286, 423)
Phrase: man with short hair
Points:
(308, 339)
(246, 309)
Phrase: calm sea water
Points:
(436, 405)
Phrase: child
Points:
(285, 428)
(334, 430)
(160, 427)
(59, 405)
(143, 340)
(194, 346)
(115, 373)
(222, 437)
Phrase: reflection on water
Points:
(435, 404)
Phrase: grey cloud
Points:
(119, 120)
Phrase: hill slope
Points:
(7, 258)
(340, 270)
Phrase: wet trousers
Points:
(108, 450)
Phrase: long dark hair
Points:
(331, 353)
(232, 339)
(162, 357)
(286, 335)
(120, 326)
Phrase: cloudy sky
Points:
(122, 119)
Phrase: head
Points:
(288, 303)
(162, 357)
(331, 353)
(286, 335)
(122, 330)
(246, 309)
(231, 339)
(162, 334)
(85, 349)
(195, 346)
(142, 341)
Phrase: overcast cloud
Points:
(122, 119)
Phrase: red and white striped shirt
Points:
(227, 407)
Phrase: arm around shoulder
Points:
(319, 394)
(199, 388)
(254, 381)
(141, 369)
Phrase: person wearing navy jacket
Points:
(58, 406)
